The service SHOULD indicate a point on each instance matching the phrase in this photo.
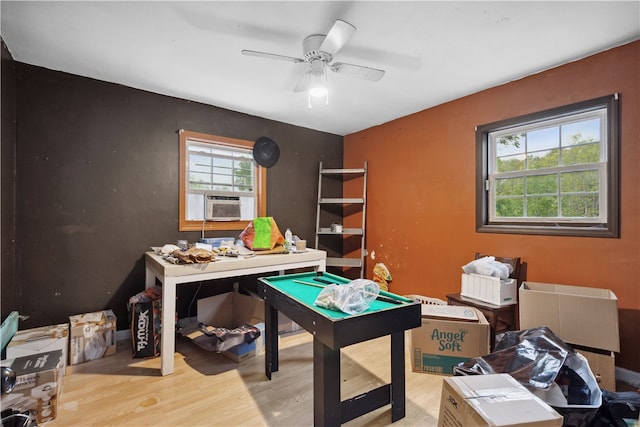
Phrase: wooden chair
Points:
(515, 264)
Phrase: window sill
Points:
(213, 225)
(549, 230)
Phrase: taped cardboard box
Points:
(40, 340)
(38, 386)
(92, 336)
(492, 400)
(489, 289)
(229, 310)
(447, 338)
(583, 317)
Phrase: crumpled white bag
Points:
(488, 266)
(351, 298)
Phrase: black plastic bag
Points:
(618, 407)
(533, 357)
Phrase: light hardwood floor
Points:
(207, 389)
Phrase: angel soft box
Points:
(448, 335)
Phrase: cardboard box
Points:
(492, 400)
(578, 315)
(231, 310)
(92, 336)
(489, 289)
(603, 367)
(38, 385)
(40, 340)
(440, 343)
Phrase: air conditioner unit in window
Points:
(223, 208)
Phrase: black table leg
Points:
(271, 339)
(326, 385)
(397, 376)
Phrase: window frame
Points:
(610, 190)
(198, 225)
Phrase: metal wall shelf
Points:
(342, 200)
(345, 231)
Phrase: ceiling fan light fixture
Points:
(318, 87)
(318, 82)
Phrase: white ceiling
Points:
(433, 52)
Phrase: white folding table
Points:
(171, 275)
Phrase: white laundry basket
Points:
(427, 300)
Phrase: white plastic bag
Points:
(351, 298)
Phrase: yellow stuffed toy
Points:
(381, 276)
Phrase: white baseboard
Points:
(123, 335)
(628, 376)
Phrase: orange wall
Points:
(421, 191)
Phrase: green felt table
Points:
(333, 330)
(304, 288)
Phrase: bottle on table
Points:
(288, 239)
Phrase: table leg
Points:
(271, 339)
(397, 376)
(168, 336)
(326, 385)
(149, 277)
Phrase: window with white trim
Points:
(553, 172)
(221, 185)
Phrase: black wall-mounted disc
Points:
(266, 152)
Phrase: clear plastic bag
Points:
(488, 266)
(351, 298)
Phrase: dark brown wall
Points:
(97, 185)
(421, 191)
(10, 300)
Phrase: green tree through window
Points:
(553, 170)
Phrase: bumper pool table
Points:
(390, 314)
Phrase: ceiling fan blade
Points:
(360, 71)
(303, 83)
(338, 36)
(271, 56)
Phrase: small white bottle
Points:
(288, 239)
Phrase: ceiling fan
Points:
(318, 52)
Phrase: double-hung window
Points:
(553, 172)
(221, 185)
